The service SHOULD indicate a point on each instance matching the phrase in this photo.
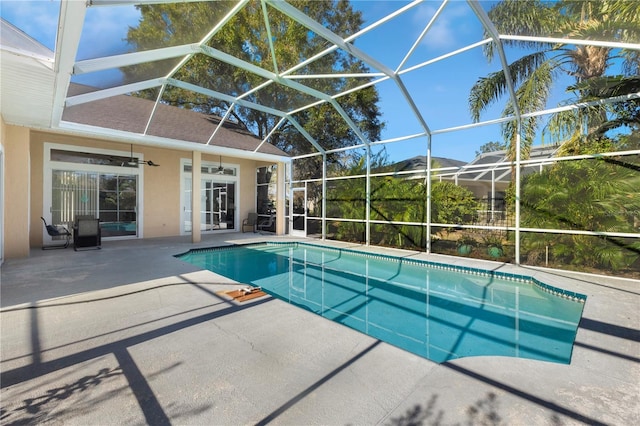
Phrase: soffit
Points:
(27, 79)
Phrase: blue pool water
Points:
(437, 311)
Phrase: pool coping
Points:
(508, 276)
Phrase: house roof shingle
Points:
(129, 113)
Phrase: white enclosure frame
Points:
(65, 67)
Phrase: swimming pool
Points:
(437, 311)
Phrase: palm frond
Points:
(631, 64)
(563, 126)
(485, 92)
(529, 18)
(607, 86)
(490, 89)
(534, 92)
(522, 68)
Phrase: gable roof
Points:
(419, 162)
(130, 114)
(480, 168)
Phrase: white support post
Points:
(290, 166)
(517, 218)
(195, 196)
(324, 196)
(280, 198)
(428, 190)
(493, 196)
(368, 199)
(70, 24)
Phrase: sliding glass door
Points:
(110, 197)
(117, 204)
(92, 182)
(73, 193)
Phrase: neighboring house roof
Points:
(419, 163)
(130, 113)
(497, 162)
(480, 168)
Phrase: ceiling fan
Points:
(132, 161)
(220, 170)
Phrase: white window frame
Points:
(226, 178)
(49, 166)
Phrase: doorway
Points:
(217, 200)
(299, 212)
(218, 196)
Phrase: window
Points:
(266, 182)
(93, 183)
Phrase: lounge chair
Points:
(56, 233)
(86, 233)
(250, 221)
(266, 224)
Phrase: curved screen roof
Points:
(415, 53)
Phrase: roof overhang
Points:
(27, 88)
(83, 130)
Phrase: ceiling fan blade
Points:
(131, 161)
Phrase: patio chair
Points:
(56, 233)
(250, 221)
(266, 224)
(86, 233)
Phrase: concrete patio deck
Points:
(131, 335)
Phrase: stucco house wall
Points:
(16, 192)
(23, 150)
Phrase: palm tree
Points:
(601, 118)
(534, 73)
(572, 195)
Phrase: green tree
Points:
(451, 203)
(621, 119)
(395, 199)
(534, 73)
(245, 37)
(491, 147)
(573, 195)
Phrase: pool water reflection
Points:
(435, 312)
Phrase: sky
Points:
(440, 90)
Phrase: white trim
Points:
(221, 178)
(570, 41)
(121, 136)
(297, 232)
(49, 166)
(44, 60)
(70, 23)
